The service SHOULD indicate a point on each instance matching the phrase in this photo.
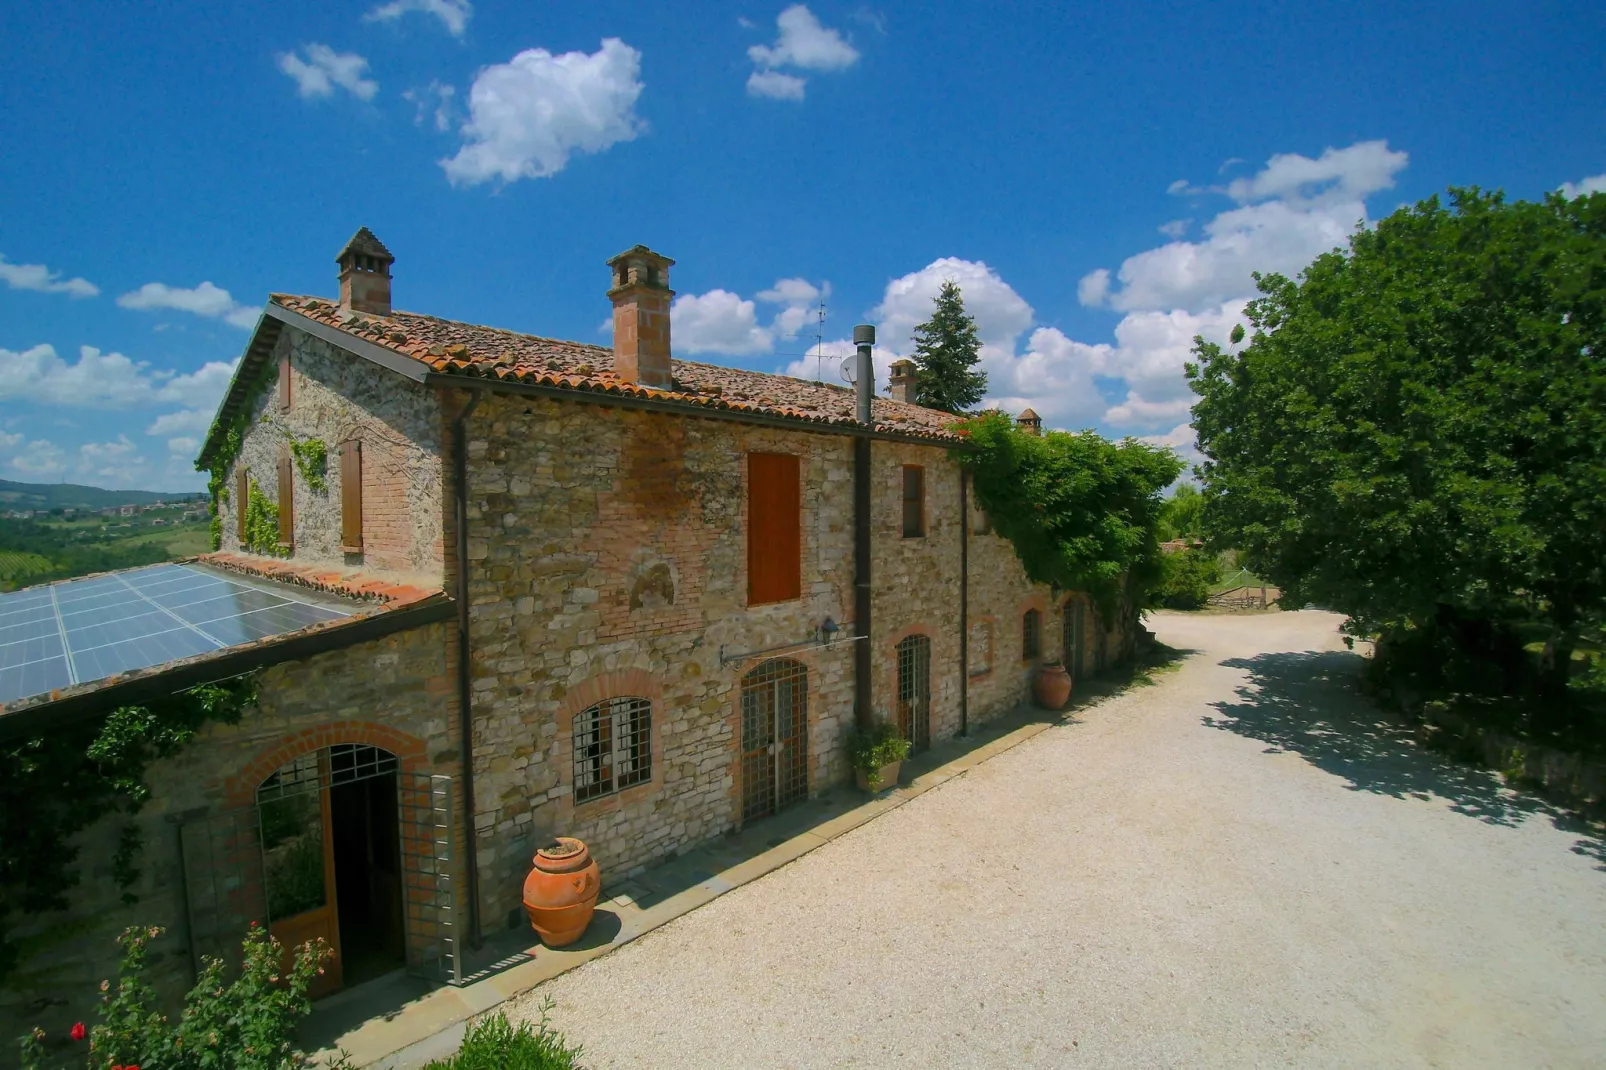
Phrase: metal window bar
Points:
(612, 747)
(775, 759)
(914, 691)
(1031, 626)
(348, 762)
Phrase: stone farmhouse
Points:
(564, 589)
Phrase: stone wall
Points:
(999, 596)
(396, 693)
(334, 397)
(608, 559)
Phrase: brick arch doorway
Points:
(775, 737)
(331, 835)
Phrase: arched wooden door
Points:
(914, 691)
(775, 737)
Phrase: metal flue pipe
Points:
(864, 370)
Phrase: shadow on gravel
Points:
(1309, 704)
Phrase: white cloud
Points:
(206, 300)
(181, 422)
(1336, 176)
(717, 322)
(775, 85)
(324, 69)
(1000, 313)
(1093, 287)
(117, 462)
(38, 459)
(799, 297)
(803, 44)
(40, 278)
(529, 115)
(453, 14)
(1174, 229)
(435, 99)
(823, 363)
(1184, 443)
(1592, 184)
(96, 380)
(184, 447)
(201, 389)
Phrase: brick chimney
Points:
(903, 374)
(365, 274)
(641, 297)
(1029, 422)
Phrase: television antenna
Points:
(819, 343)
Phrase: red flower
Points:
(77, 1031)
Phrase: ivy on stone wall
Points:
(1082, 512)
(312, 460)
(261, 524)
(233, 437)
(57, 784)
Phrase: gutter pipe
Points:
(964, 604)
(465, 693)
(864, 381)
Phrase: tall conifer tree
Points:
(946, 349)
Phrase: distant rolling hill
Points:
(72, 496)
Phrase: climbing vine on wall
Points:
(261, 524)
(231, 436)
(58, 783)
(312, 460)
(1082, 512)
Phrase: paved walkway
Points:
(1242, 865)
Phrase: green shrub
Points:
(1185, 579)
(246, 1024)
(880, 746)
(493, 1044)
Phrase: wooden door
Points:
(298, 862)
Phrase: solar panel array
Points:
(85, 630)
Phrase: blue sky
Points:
(1099, 179)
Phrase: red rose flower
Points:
(77, 1031)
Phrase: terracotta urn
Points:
(560, 893)
(887, 777)
(1052, 686)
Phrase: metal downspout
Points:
(964, 603)
(863, 714)
(464, 688)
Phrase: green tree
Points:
(1415, 434)
(1185, 579)
(1182, 516)
(946, 349)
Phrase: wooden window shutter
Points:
(914, 501)
(284, 381)
(351, 496)
(242, 498)
(774, 528)
(287, 501)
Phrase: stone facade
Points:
(335, 397)
(396, 693)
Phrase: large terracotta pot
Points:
(560, 893)
(1052, 687)
(887, 777)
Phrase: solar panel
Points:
(85, 630)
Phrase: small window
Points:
(612, 747)
(287, 501)
(914, 501)
(351, 497)
(1031, 634)
(981, 648)
(774, 528)
(284, 382)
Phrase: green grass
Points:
(493, 1044)
(17, 567)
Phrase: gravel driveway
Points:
(1243, 865)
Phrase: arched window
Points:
(612, 747)
(775, 737)
(1031, 634)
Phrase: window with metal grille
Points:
(612, 747)
(1031, 634)
(914, 691)
(775, 750)
(914, 501)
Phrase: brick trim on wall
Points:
(409, 750)
(738, 670)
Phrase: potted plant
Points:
(876, 756)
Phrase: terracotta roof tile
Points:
(453, 348)
(390, 594)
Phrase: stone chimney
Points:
(1029, 422)
(365, 274)
(903, 374)
(641, 297)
